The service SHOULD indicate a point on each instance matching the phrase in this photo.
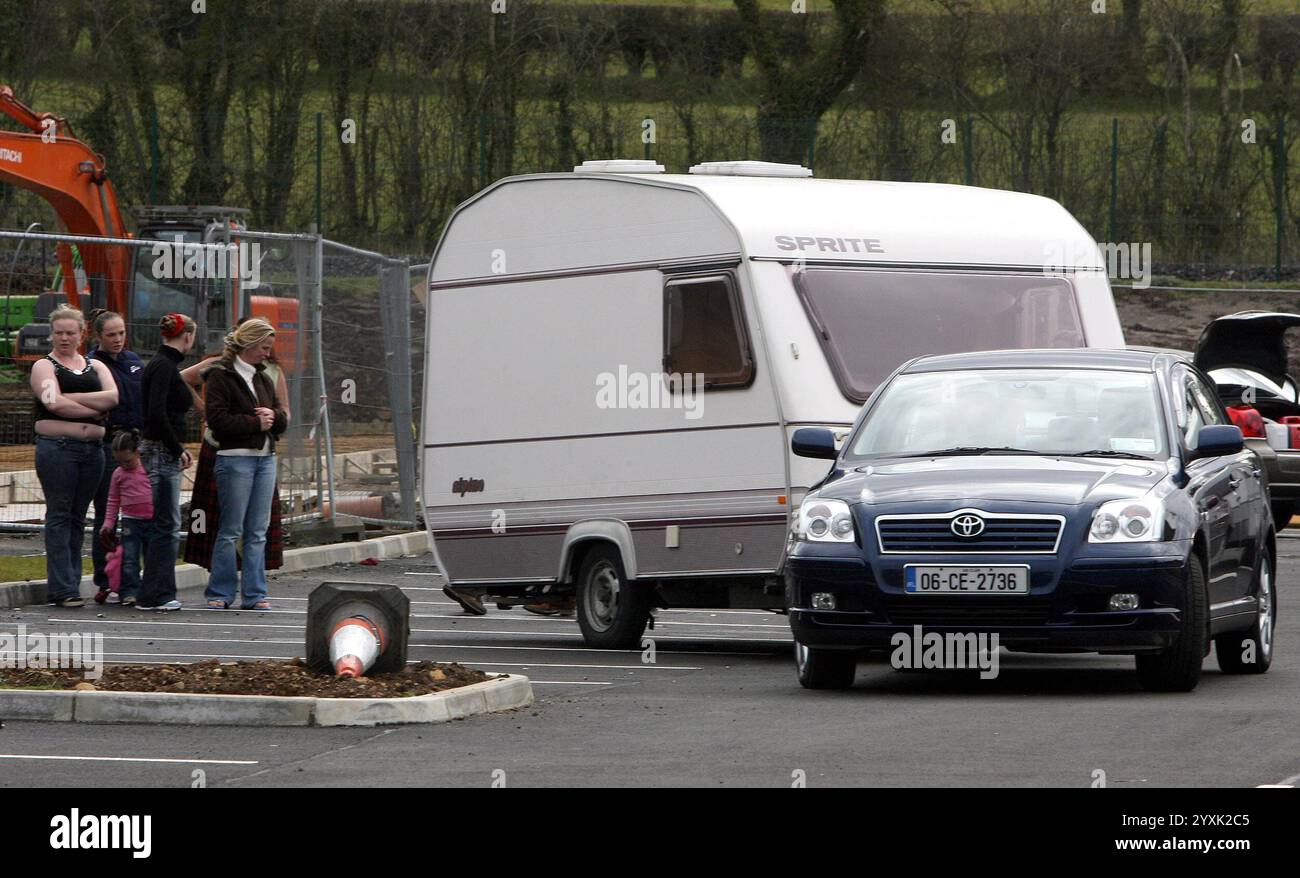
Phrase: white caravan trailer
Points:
(617, 358)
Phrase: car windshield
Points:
(1101, 413)
(871, 321)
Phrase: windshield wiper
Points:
(974, 449)
(1105, 452)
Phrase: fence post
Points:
(968, 151)
(1279, 188)
(320, 228)
(153, 157)
(1114, 175)
(482, 151)
(318, 305)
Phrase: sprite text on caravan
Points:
(181, 261)
(64, 650)
(77, 831)
(829, 245)
(11, 155)
(651, 390)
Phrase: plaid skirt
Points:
(198, 546)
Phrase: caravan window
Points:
(704, 332)
(871, 322)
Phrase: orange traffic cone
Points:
(354, 645)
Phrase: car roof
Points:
(1052, 358)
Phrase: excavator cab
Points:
(193, 281)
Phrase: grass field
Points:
(23, 568)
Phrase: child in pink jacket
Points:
(130, 493)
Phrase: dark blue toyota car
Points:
(1066, 500)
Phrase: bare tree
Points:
(796, 92)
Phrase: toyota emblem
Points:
(968, 525)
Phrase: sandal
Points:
(218, 605)
(260, 605)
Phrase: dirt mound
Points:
(252, 678)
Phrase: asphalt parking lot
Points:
(718, 706)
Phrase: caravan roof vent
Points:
(751, 169)
(620, 166)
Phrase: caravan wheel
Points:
(612, 612)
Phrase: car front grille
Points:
(921, 534)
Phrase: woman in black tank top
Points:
(70, 396)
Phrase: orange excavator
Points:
(49, 160)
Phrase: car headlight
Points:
(824, 521)
(1128, 521)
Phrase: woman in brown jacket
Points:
(246, 417)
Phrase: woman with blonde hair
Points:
(246, 416)
(71, 394)
(205, 509)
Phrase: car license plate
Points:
(1005, 579)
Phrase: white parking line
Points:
(131, 759)
(298, 643)
(673, 610)
(776, 629)
(532, 619)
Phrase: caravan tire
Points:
(612, 611)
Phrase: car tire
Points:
(1178, 667)
(1282, 513)
(1258, 640)
(825, 668)
(612, 611)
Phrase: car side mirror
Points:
(814, 442)
(1218, 440)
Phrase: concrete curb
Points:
(168, 708)
(192, 579)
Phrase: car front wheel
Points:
(824, 668)
(1251, 652)
(1178, 668)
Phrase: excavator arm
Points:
(72, 178)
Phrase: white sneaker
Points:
(169, 606)
(113, 598)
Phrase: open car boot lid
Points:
(1248, 339)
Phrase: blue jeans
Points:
(244, 489)
(69, 471)
(162, 537)
(98, 554)
(134, 534)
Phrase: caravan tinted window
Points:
(870, 322)
(704, 333)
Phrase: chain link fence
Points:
(348, 330)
